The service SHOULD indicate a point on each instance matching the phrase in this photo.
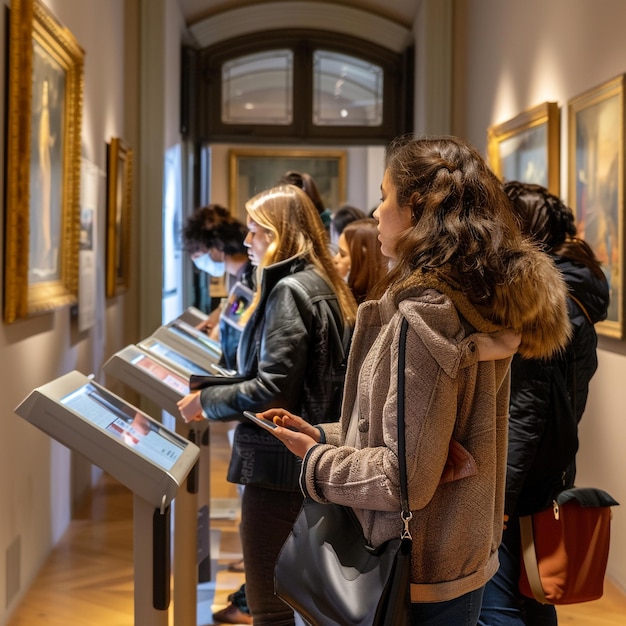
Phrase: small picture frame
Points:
(596, 185)
(527, 147)
(119, 204)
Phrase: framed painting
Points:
(119, 202)
(596, 185)
(253, 170)
(42, 219)
(527, 147)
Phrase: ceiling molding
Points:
(309, 15)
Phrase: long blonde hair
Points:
(296, 229)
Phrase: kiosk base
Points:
(145, 566)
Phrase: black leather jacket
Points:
(543, 424)
(291, 355)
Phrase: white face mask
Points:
(206, 264)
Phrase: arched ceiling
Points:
(384, 22)
(400, 11)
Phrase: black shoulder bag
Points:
(330, 575)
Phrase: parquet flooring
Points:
(88, 578)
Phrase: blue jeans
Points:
(503, 604)
(461, 611)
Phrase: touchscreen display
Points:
(160, 349)
(117, 418)
(172, 380)
(194, 335)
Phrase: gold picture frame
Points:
(253, 170)
(119, 204)
(527, 147)
(42, 219)
(596, 185)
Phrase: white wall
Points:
(36, 474)
(511, 56)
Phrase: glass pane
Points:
(258, 89)
(346, 91)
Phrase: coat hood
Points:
(532, 301)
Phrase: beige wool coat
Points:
(452, 398)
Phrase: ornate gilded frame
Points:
(42, 186)
(119, 204)
(596, 185)
(527, 147)
(252, 170)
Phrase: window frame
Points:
(397, 89)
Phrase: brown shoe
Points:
(237, 566)
(232, 615)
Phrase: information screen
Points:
(160, 349)
(172, 380)
(196, 336)
(134, 429)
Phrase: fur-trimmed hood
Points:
(532, 302)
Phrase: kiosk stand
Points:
(152, 461)
(162, 374)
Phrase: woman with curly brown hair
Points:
(461, 274)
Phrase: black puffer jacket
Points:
(292, 354)
(543, 425)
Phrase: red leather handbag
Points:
(565, 548)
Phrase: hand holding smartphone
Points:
(263, 423)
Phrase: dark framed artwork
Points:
(596, 185)
(42, 220)
(254, 170)
(527, 147)
(119, 203)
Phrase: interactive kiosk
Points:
(192, 316)
(162, 375)
(152, 461)
(194, 344)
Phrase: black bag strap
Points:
(404, 496)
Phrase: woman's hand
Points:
(297, 434)
(190, 407)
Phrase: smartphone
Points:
(260, 421)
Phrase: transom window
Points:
(296, 86)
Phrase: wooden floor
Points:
(88, 578)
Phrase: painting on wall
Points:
(119, 201)
(527, 147)
(252, 171)
(42, 220)
(596, 185)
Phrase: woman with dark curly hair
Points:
(467, 284)
(215, 241)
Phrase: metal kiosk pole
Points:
(151, 553)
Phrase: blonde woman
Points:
(291, 353)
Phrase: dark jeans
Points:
(461, 611)
(503, 604)
(267, 517)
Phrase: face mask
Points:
(206, 264)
